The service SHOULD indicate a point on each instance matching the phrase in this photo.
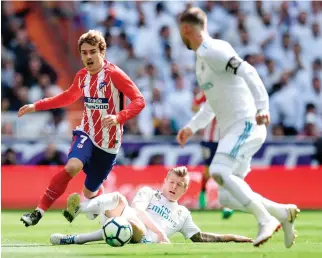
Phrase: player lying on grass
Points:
(154, 215)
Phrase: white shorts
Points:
(240, 142)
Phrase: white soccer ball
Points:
(117, 231)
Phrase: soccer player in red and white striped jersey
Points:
(97, 139)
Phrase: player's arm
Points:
(226, 59)
(125, 85)
(256, 86)
(200, 120)
(140, 204)
(203, 237)
(63, 99)
(192, 231)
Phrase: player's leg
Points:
(221, 171)
(93, 207)
(61, 239)
(122, 209)
(230, 155)
(208, 153)
(80, 151)
(97, 170)
(285, 213)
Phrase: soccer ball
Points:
(117, 231)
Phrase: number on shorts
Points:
(84, 138)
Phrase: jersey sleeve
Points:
(202, 118)
(63, 99)
(125, 85)
(189, 228)
(222, 57)
(143, 198)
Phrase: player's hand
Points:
(242, 239)
(109, 121)
(183, 135)
(263, 117)
(30, 108)
(163, 239)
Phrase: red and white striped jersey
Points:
(211, 131)
(104, 94)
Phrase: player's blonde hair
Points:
(92, 37)
(181, 172)
(194, 16)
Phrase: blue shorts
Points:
(208, 151)
(97, 163)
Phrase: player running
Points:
(236, 94)
(209, 146)
(97, 139)
(154, 215)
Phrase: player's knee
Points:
(219, 172)
(88, 194)
(73, 166)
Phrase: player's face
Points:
(184, 30)
(174, 187)
(92, 57)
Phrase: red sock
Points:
(56, 188)
(100, 191)
(203, 183)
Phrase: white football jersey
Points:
(227, 93)
(170, 216)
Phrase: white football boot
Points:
(288, 225)
(266, 230)
(60, 239)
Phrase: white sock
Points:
(277, 210)
(227, 200)
(241, 191)
(100, 203)
(42, 212)
(89, 237)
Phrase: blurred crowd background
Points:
(281, 39)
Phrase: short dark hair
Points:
(310, 106)
(193, 15)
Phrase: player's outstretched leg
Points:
(60, 239)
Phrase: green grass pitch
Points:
(33, 242)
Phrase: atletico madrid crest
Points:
(102, 87)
